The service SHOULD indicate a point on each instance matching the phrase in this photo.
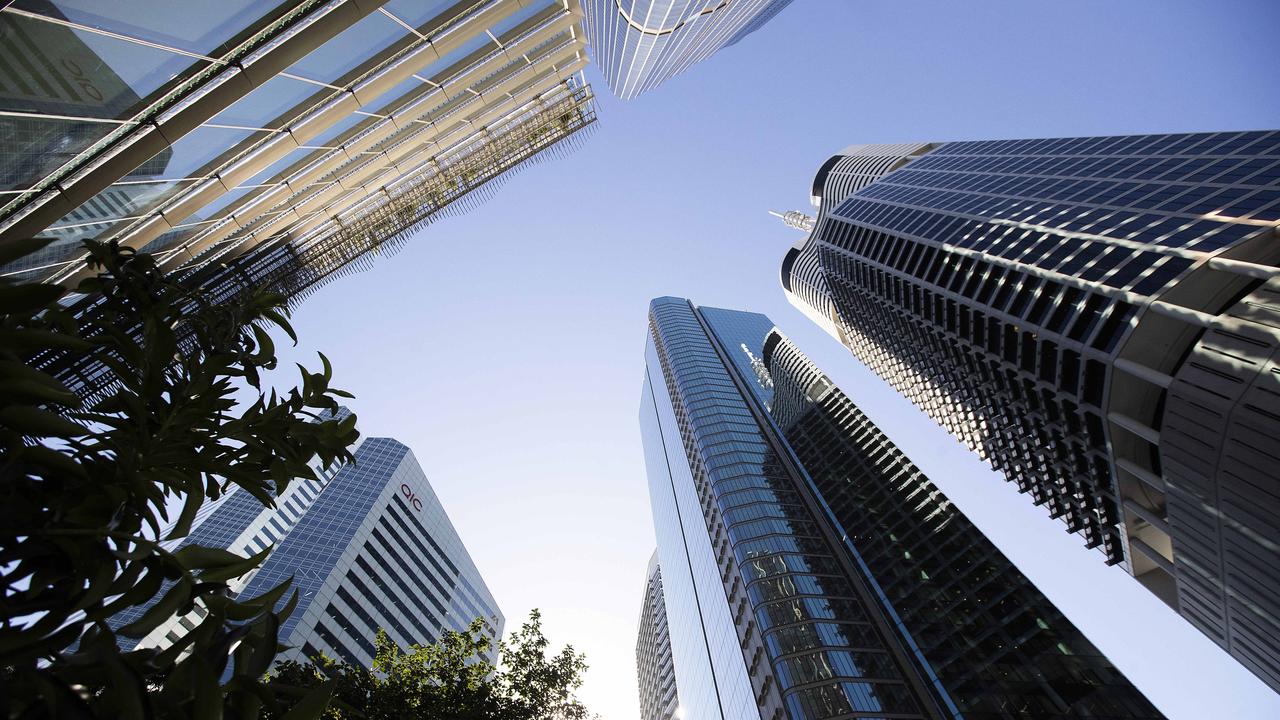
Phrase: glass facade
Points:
(132, 120)
(1090, 316)
(368, 547)
(638, 44)
(990, 642)
(855, 589)
(276, 146)
(376, 551)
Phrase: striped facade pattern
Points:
(1053, 303)
(991, 643)
(655, 671)
(364, 97)
(367, 547)
(639, 44)
(809, 645)
(376, 551)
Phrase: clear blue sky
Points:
(505, 346)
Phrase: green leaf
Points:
(313, 704)
(198, 557)
(32, 339)
(11, 250)
(236, 569)
(35, 422)
(167, 607)
(20, 299)
(26, 390)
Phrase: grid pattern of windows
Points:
(989, 639)
(639, 44)
(1093, 317)
(362, 558)
(794, 608)
(655, 673)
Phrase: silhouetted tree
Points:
(84, 491)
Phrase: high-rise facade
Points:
(810, 570)
(655, 673)
(369, 547)
(639, 44)
(282, 140)
(1099, 318)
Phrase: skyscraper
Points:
(655, 674)
(810, 570)
(295, 137)
(369, 547)
(638, 44)
(1096, 317)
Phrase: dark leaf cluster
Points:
(450, 680)
(85, 532)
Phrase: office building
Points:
(638, 44)
(1097, 318)
(655, 675)
(368, 546)
(811, 571)
(276, 143)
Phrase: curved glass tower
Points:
(639, 44)
(811, 571)
(1097, 318)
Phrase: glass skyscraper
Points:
(809, 569)
(1097, 318)
(638, 44)
(369, 547)
(655, 674)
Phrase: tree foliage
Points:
(451, 680)
(84, 491)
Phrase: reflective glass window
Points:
(418, 12)
(350, 48)
(196, 27)
(270, 105)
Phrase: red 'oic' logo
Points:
(414, 500)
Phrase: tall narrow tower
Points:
(811, 571)
(639, 44)
(1099, 318)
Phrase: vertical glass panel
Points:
(509, 22)
(350, 49)
(54, 69)
(200, 27)
(330, 135)
(434, 70)
(389, 101)
(95, 217)
(272, 105)
(221, 203)
(197, 149)
(418, 12)
(33, 148)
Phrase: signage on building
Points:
(410, 496)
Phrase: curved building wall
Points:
(638, 44)
(1049, 302)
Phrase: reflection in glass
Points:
(271, 105)
(351, 48)
(199, 27)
